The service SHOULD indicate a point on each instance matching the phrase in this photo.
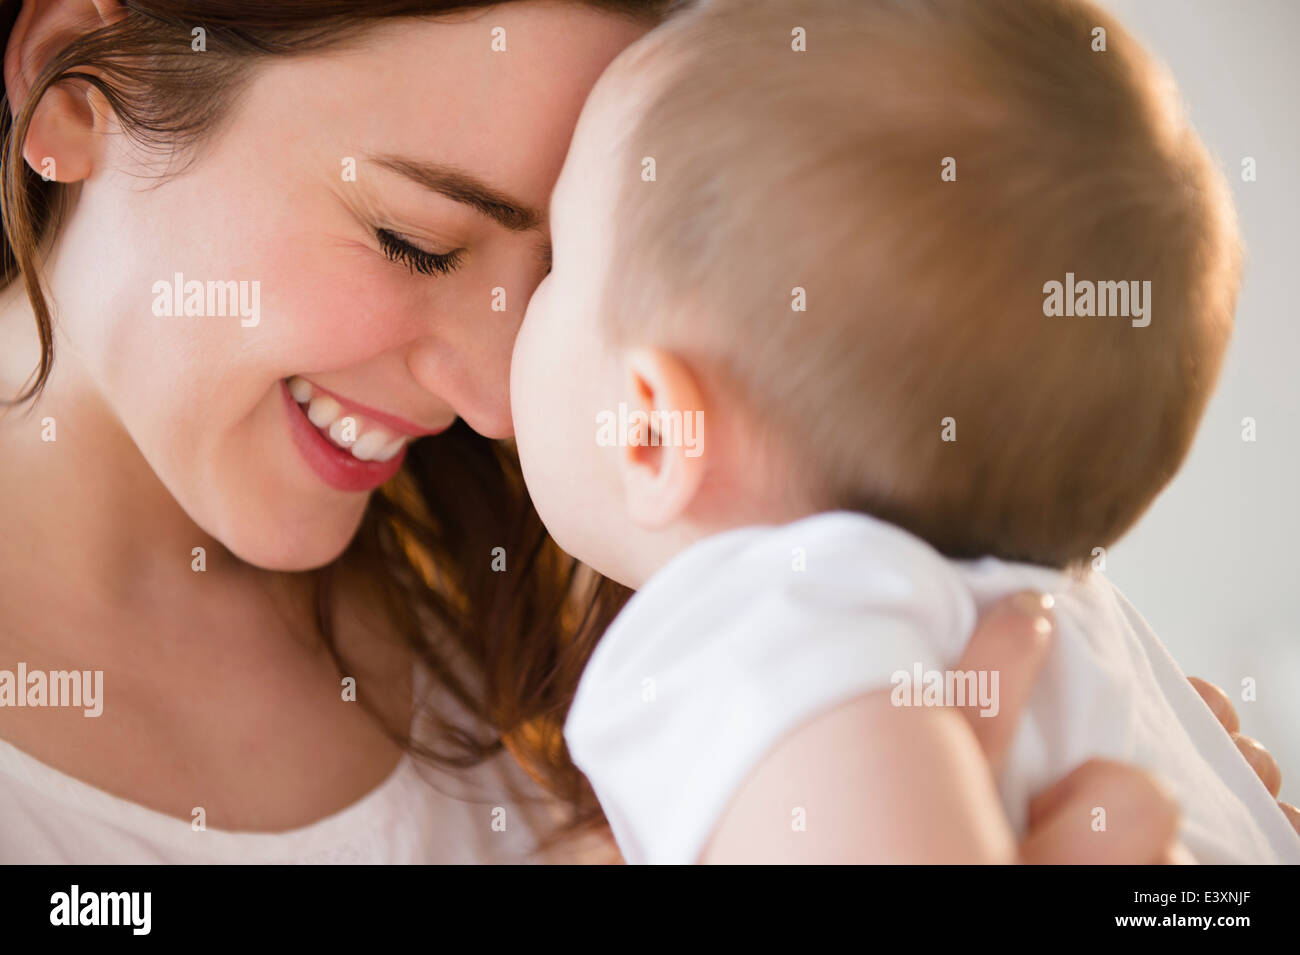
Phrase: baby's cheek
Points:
(534, 381)
(535, 374)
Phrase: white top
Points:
(417, 815)
(47, 817)
(732, 645)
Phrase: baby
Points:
(864, 315)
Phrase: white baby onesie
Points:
(746, 635)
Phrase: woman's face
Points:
(384, 207)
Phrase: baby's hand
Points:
(940, 796)
(1142, 819)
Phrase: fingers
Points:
(1011, 639)
(1218, 703)
(1261, 761)
(1293, 814)
(1104, 813)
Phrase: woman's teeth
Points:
(301, 390)
(323, 411)
(366, 441)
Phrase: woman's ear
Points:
(61, 141)
(662, 465)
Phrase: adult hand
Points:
(1260, 759)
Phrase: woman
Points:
(320, 217)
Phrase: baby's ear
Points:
(662, 462)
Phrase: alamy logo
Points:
(1101, 299)
(133, 909)
(651, 429)
(60, 688)
(922, 687)
(194, 299)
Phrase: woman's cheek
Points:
(325, 319)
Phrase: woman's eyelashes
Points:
(399, 250)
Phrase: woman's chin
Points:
(291, 546)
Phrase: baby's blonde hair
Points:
(820, 170)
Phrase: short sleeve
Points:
(734, 647)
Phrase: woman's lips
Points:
(346, 427)
(342, 468)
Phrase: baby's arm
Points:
(1013, 639)
(757, 826)
(869, 781)
(881, 783)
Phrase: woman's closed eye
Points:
(399, 250)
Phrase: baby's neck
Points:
(717, 511)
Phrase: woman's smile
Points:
(380, 171)
(351, 448)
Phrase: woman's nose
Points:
(473, 378)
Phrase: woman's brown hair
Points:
(505, 649)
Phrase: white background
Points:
(1213, 565)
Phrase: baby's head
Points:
(829, 231)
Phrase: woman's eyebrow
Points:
(462, 187)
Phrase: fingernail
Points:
(1033, 603)
(1037, 606)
